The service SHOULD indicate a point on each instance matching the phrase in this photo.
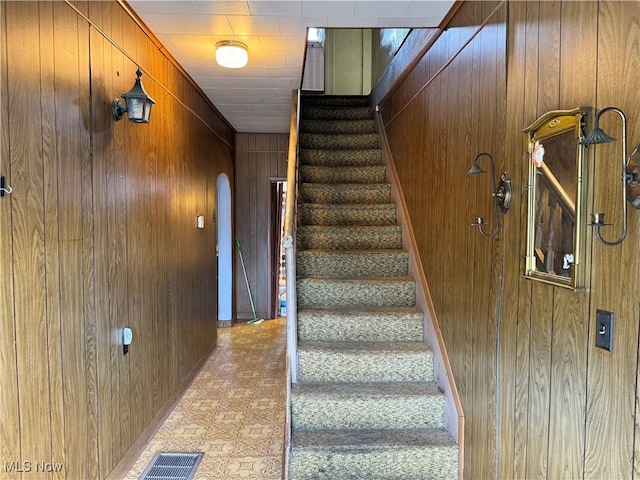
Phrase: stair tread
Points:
(349, 206)
(365, 347)
(369, 390)
(342, 167)
(399, 279)
(337, 186)
(321, 251)
(372, 439)
(361, 310)
(352, 227)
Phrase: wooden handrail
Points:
(292, 171)
(289, 237)
(565, 201)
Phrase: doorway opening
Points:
(224, 250)
(278, 289)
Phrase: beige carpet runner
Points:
(366, 406)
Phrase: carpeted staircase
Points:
(366, 405)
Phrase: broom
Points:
(255, 319)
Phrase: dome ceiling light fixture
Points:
(231, 54)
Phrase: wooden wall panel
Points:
(444, 118)
(259, 158)
(10, 413)
(101, 233)
(615, 279)
(562, 408)
(27, 215)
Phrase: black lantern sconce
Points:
(501, 195)
(138, 103)
(629, 177)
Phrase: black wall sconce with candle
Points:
(501, 195)
(137, 103)
(629, 174)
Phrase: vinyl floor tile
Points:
(234, 410)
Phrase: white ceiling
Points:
(257, 98)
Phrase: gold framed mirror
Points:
(556, 219)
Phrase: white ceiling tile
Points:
(164, 7)
(237, 7)
(380, 9)
(230, 100)
(246, 92)
(315, 8)
(206, 24)
(249, 109)
(267, 59)
(292, 72)
(280, 100)
(281, 92)
(247, 25)
(229, 82)
(290, 8)
(292, 60)
(163, 23)
(283, 44)
(292, 26)
(419, 8)
(215, 70)
(257, 98)
(416, 22)
(352, 22)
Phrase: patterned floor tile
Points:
(234, 410)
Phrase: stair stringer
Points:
(454, 415)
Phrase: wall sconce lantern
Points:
(501, 195)
(231, 54)
(630, 175)
(138, 103)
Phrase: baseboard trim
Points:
(131, 455)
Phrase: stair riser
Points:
(332, 158)
(343, 265)
(318, 214)
(345, 367)
(361, 175)
(336, 413)
(327, 327)
(337, 126)
(312, 292)
(335, 101)
(340, 141)
(349, 239)
(344, 193)
(339, 113)
(393, 464)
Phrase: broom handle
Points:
(246, 279)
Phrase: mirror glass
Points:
(556, 223)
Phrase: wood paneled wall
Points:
(99, 234)
(434, 133)
(260, 159)
(540, 400)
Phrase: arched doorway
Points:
(225, 250)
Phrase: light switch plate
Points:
(604, 330)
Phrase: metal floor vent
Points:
(172, 466)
